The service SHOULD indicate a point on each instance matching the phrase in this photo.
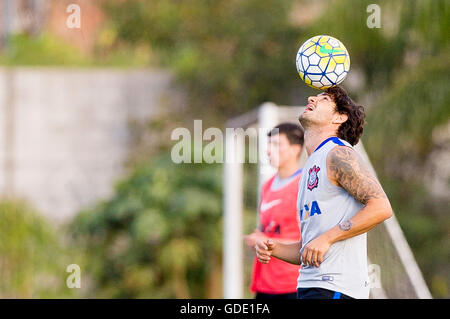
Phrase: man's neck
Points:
(313, 138)
(288, 169)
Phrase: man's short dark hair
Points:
(293, 132)
(352, 129)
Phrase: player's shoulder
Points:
(268, 183)
(341, 152)
(343, 159)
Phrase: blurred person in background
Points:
(278, 218)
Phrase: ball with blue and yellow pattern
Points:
(322, 62)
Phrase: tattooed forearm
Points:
(347, 169)
(345, 225)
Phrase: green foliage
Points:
(159, 236)
(40, 50)
(233, 55)
(410, 111)
(33, 260)
(230, 54)
(408, 29)
(47, 50)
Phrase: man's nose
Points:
(311, 99)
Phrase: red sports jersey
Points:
(279, 220)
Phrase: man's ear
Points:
(339, 118)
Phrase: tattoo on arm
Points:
(350, 172)
(346, 225)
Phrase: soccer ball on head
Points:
(322, 62)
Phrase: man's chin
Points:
(304, 119)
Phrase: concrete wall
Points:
(64, 134)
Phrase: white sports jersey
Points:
(321, 206)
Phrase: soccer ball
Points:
(322, 62)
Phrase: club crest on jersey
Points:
(313, 179)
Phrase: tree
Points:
(159, 236)
(231, 55)
(33, 255)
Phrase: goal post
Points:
(393, 270)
